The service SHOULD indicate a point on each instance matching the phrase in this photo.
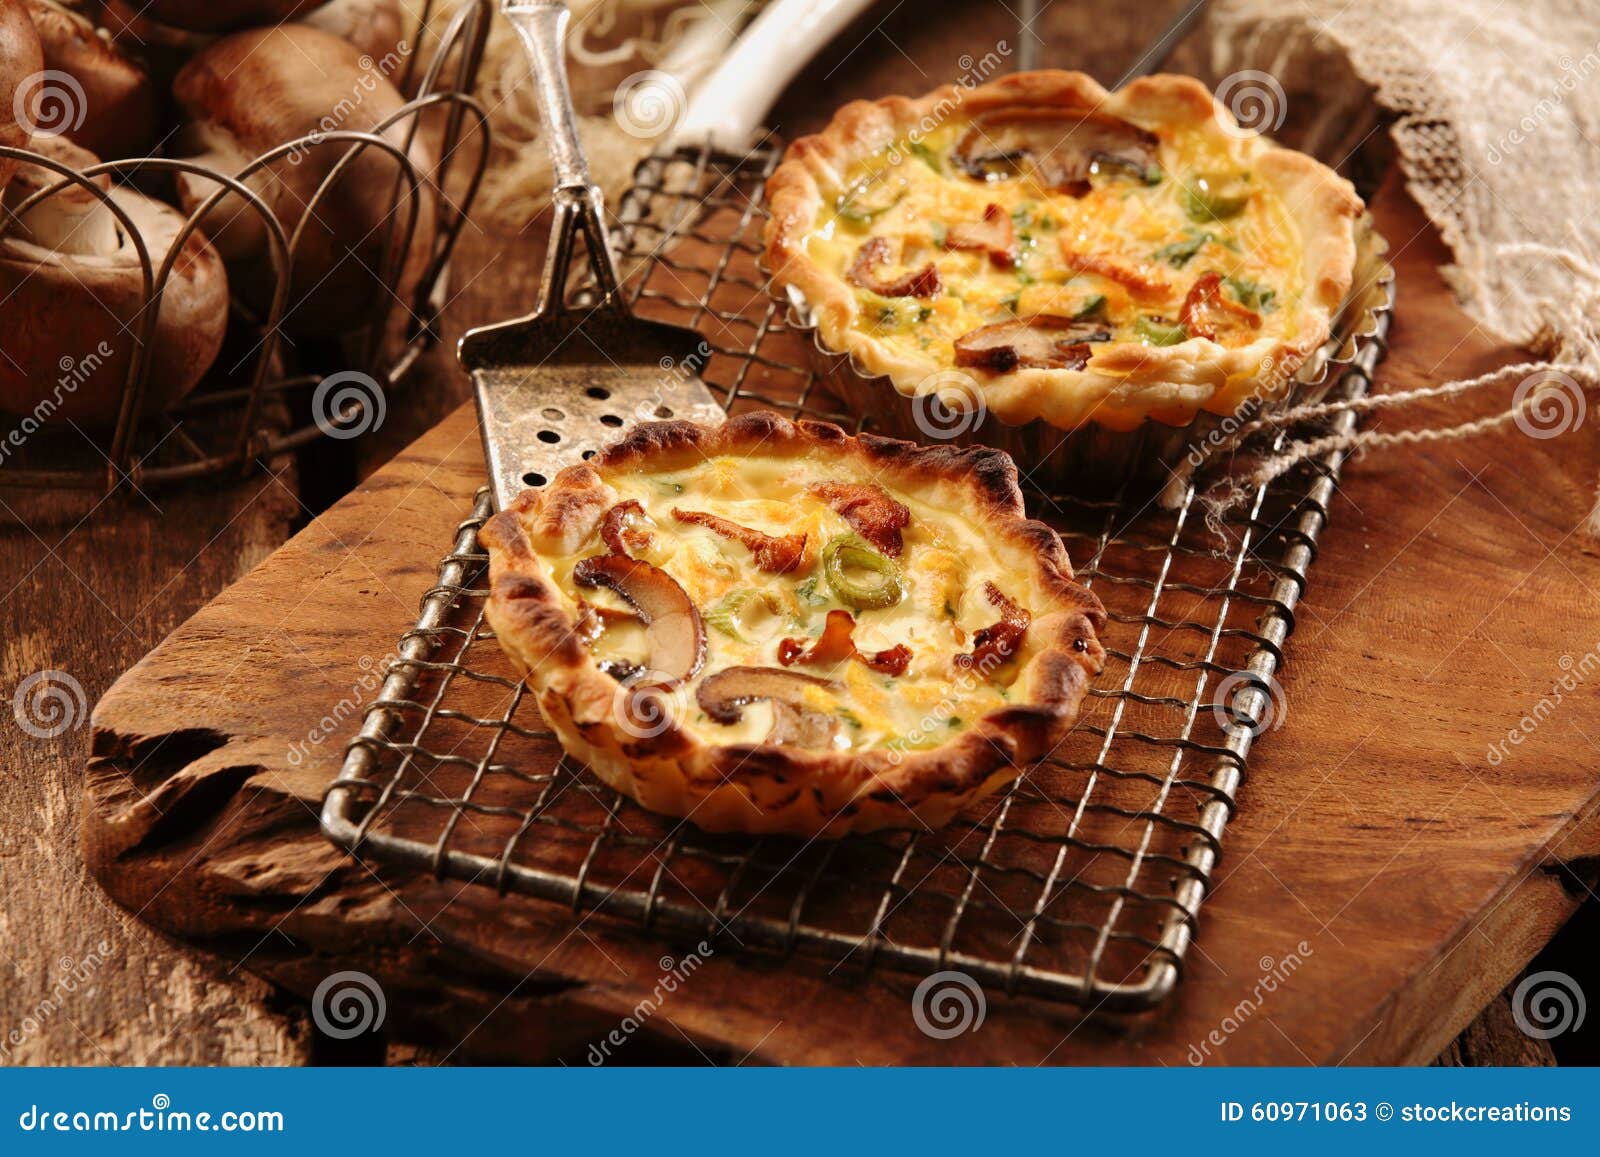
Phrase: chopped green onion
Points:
(728, 615)
(852, 204)
(1092, 306)
(1154, 331)
(849, 553)
(1251, 294)
(927, 156)
(1178, 253)
(1205, 200)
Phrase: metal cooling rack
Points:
(1082, 881)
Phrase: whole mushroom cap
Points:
(377, 28)
(254, 91)
(120, 116)
(20, 59)
(74, 291)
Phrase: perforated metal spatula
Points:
(561, 382)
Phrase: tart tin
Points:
(1093, 458)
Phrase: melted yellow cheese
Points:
(911, 195)
(944, 565)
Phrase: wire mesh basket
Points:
(264, 395)
(1082, 881)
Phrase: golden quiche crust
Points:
(1123, 383)
(768, 787)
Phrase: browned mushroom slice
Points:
(875, 516)
(866, 271)
(1063, 148)
(1139, 278)
(1050, 343)
(992, 646)
(1207, 310)
(593, 619)
(837, 644)
(993, 235)
(676, 639)
(725, 695)
(774, 555)
(623, 527)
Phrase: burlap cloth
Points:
(1494, 111)
(1496, 121)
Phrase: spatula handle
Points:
(542, 25)
(578, 203)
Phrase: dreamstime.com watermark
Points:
(1275, 972)
(372, 72)
(674, 975)
(74, 372)
(348, 404)
(361, 692)
(49, 703)
(974, 71)
(1547, 1004)
(1574, 674)
(348, 1004)
(160, 1117)
(948, 1004)
(71, 976)
(1573, 73)
(933, 726)
(50, 104)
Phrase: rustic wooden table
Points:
(94, 587)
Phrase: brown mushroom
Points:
(837, 644)
(1140, 278)
(20, 61)
(1043, 342)
(223, 16)
(869, 509)
(251, 92)
(992, 646)
(725, 695)
(73, 289)
(119, 116)
(866, 271)
(377, 29)
(676, 638)
(1063, 148)
(1207, 310)
(994, 235)
(773, 554)
(625, 526)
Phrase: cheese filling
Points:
(905, 677)
(1121, 253)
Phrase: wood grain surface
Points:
(90, 590)
(1375, 842)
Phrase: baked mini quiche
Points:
(773, 627)
(1080, 255)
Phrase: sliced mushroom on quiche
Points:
(771, 626)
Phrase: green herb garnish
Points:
(1154, 331)
(1178, 253)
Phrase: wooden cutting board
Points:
(1452, 590)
